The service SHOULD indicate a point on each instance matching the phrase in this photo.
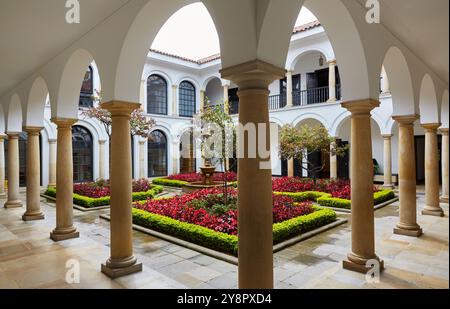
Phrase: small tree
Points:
(300, 143)
(139, 123)
(216, 118)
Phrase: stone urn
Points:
(208, 174)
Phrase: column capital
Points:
(431, 127)
(120, 108)
(13, 135)
(142, 142)
(64, 123)
(174, 86)
(255, 74)
(443, 131)
(332, 62)
(387, 136)
(361, 107)
(102, 142)
(33, 130)
(3, 137)
(52, 140)
(406, 119)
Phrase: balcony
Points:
(299, 98)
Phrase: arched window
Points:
(83, 150)
(156, 95)
(157, 154)
(87, 89)
(187, 99)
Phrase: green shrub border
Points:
(89, 202)
(229, 243)
(169, 182)
(326, 199)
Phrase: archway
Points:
(187, 153)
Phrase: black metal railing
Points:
(299, 98)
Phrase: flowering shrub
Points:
(337, 188)
(193, 177)
(207, 208)
(101, 188)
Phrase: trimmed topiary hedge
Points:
(169, 182)
(229, 243)
(89, 202)
(327, 200)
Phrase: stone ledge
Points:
(77, 207)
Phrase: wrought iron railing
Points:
(277, 101)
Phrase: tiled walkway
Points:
(29, 259)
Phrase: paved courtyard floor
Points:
(29, 259)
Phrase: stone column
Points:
(52, 163)
(333, 161)
(64, 182)
(289, 94)
(291, 168)
(175, 156)
(101, 159)
(33, 211)
(202, 99)
(332, 81)
(255, 268)
(407, 178)
(2, 166)
(387, 161)
(142, 159)
(432, 200)
(122, 261)
(363, 231)
(225, 93)
(175, 112)
(445, 165)
(13, 200)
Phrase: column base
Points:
(331, 100)
(437, 212)
(2, 195)
(33, 217)
(360, 268)
(116, 269)
(443, 199)
(388, 187)
(13, 204)
(58, 235)
(413, 232)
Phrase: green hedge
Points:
(325, 199)
(89, 202)
(169, 182)
(229, 243)
(187, 231)
(303, 224)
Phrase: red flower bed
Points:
(101, 188)
(337, 188)
(201, 208)
(192, 177)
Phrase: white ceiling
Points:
(423, 26)
(32, 32)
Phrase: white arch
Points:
(2, 120)
(190, 79)
(338, 122)
(14, 116)
(162, 74)
(209, 79)
(444, 109)
(314, 116)
(95, 145)
(276, 120)
(66, 105)
(37, 97)
(429, 108)
(291, 63)
(401, 86)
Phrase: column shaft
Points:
(101, 159)
(13, 171)
(445, 165)
(407, 178)
(289, 90)
(64, 182)
(142, 173)
(333, 161)
(33, 211)
(387, 161)
(202, 99)
(332, 81)
(52, 162)
(363, 231)
(122, 261)
(174, 100)
(255, 269)
(2, 166)
(432, 200)
(291, 168)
